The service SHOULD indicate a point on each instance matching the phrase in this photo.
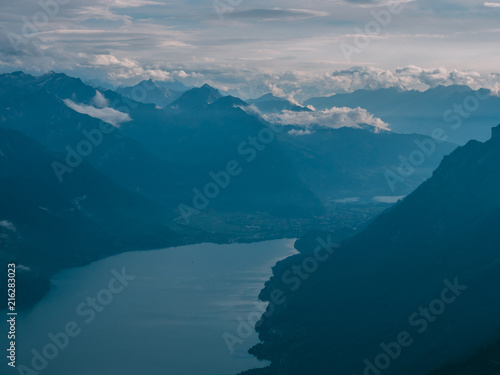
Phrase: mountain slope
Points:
(340, 163)
(49, 225)
(398, 276)
(46, 119)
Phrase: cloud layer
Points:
(107, 114)
(254, 47)
(332, 118)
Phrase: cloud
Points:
(405, 78)
(299, 132)
(437, 76)
(125, 69)
(131, 3)
(100, 100)
(102, 10)
(120, 41)
(277, 14)
(23, 268)
(186, 33)
(334, 118)
(408, 77)
(8, 225)
(110, 60)
(297, 86)
(492, 5)
(109, 115)
(377, 3)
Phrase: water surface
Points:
(169, 320)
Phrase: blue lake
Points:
(169, 320)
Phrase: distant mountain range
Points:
(461, 112)
(159, 93)
(271, 104)
(409, 294)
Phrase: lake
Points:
(156, 312)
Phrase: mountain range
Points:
(463, 113)
(269, 103)
(162, 164)
(159, 93)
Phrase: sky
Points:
(292, 48)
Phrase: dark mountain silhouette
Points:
(423, 269)
(197, 97)
(54, 225)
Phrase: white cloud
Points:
(132, 3)
(377, 3)
(113, 62)
(100, 100)
(407, 77)
(8, 225)
(303, 85)
(277, 14)
(143, 33)
(336, 117)
(109, 115)
(125, 69)
(297, 86)
(299, 132)
(23, 268)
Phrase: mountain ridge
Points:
(447, 229)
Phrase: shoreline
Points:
(44, 280)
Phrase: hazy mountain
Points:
(174, 85)
(421, 273)
(49, 121)
(337, 163)
(164, 154)
(463, 113)
(269, 103)
(152, 92)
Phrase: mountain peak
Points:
(197, 97)
(495, 132)
(18, 73)
(266, 98)
(174, 85)
(207, 88)
(52, 74)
